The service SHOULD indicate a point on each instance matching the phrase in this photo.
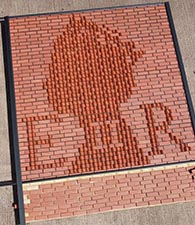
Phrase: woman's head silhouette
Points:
(91, 71)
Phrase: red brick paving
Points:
(97, 91)
(113, 192)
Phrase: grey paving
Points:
(174, 214)
(177, 214)
(6, 211)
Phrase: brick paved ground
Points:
(97, 91)
(95, 194)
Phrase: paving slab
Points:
(173, 214)
(6, 210)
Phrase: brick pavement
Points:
(97, 91)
